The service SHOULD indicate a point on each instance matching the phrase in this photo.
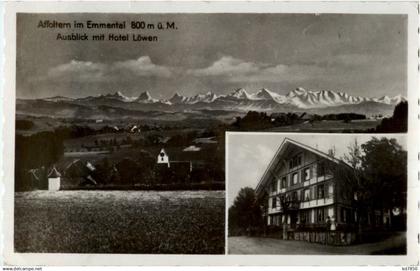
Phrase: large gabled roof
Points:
(287, 142)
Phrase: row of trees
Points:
(378, 181)
(379, 176)
(145, 171)
(398, 123)
(39, 150)
(261, 120)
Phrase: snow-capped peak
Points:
(239, 94)
(145, 97)
(265, 94)
(118, 95)
(297, 92)
(210, 96)
(397, 99)
(177, 99)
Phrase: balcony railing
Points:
(297, 205)
(316, 203)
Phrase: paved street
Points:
(259, 245)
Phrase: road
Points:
(259, 245)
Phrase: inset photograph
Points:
(316, 194)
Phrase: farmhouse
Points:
(306, 193)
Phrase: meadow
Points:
(138, 222)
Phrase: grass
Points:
(176, 222)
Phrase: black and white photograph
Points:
(194, 135)
(317, 194)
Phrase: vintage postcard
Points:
(192, 133)
(335, 194)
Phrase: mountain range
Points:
(298, 100)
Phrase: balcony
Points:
(294, 205)
(316, 203)
(315, 180)
(276, 210)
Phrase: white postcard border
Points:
(409, 8)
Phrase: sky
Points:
(248, 154)
(362, 55)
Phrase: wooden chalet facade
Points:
(301, 190)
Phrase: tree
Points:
(384, 166)
(332, 151)
(354, 157)
(398, 123)
(39, 150)
(377, 177)
(128, 171)
(245, 213)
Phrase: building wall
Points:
(54, 184)
(307, 180)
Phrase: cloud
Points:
(236, 71)
(227, 65)
(80, 70)
(143, 66)
(88, 72)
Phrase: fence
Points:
(337, 238)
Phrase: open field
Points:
(181, 222)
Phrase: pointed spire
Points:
(54, 173)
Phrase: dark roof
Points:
(284, 144)
(54, 173)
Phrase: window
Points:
(273, 187)
(320, 215)
(295, 161)
(307, 174)
(304, 217)
(320, 191)
(344, 215)
(274, 203)
(321, 169)
(330, 190)
(283, 182)
(307, 197)
(295, 178)
(276, 220)
(294, 196)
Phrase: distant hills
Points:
(298, 100)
